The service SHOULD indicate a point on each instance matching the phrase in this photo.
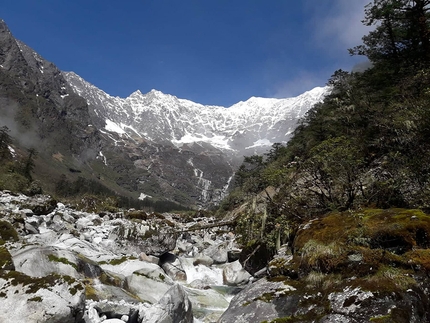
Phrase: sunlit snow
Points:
(12, 151)
(216, 141)
(161, 117)
(113, 127)
(144, 196)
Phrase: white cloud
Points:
(339, 26)
(334, 26)
(302, 82)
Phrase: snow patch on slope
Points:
(158, 117)
(113, 127)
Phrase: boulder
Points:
(218, 253)
(173, 307)
(255, 257)
(152, 259)
(127, 267)
(233, 255)
(149, 283)
(258, 302)
(40, 204)
(183, 246)
(161, 241)
(31, 228)
(201, 259)
(49, 299)
(173, 267)
(38, 261)
(233, 274)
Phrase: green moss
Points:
(117, 261)
(322, 256)
(162, 277)
(286, 319)
(420, 258)
(6, 259)
(91, 293)
(266, 297)
(35, 299)
(149, 233)
(63, 260)
(7, 232)
(390, 278)
(13, 182)
(110, 279)
(33, 284)
(381, 319)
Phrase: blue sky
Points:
(209, 51)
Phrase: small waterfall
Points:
(204, 185)
(210, 276)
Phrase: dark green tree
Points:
(5, 141)
(249, 176)
(28, 163)
(401, 37)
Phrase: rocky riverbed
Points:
(58, 264)
(64, 265)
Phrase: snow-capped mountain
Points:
(245, 127)
(149, 146)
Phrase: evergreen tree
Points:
(5, 141)
(402, 34)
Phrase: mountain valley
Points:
(154, 145)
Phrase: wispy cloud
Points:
(302, 82)
(337, 26)
(333, 27)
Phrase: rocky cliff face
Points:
(38, 105)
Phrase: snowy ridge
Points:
(155, 116)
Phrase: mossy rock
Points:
(378, 250)
(136, 214)
(32, 284)
(8, 232)
(62, 260)
(91, 293)
(399, 229)
(42, 208)
(6, 262)
(108, 278)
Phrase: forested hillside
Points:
(366, 145)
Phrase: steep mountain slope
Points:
(240, 129)
(38, 106)
(147, 145)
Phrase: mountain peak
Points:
(136, 93)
